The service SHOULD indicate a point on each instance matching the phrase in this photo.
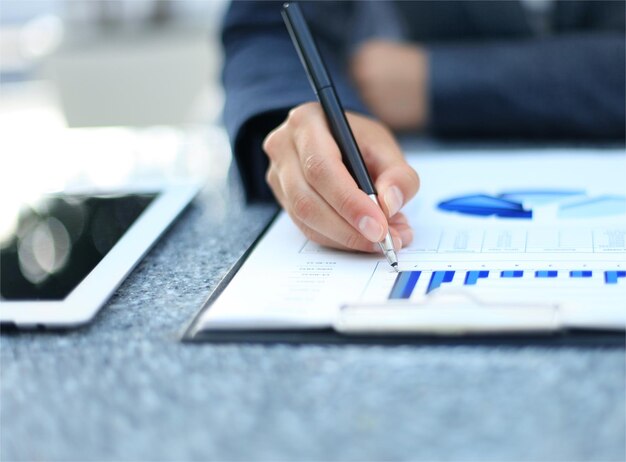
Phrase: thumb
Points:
(396, 185)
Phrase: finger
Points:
(301, 203)
(273, 181)
(401, 233)
(362, 246)
(367, 246)
(396, 186)
(308, 207)
(396, 181)
(277, 142)
(400, 224)
(398, 228)
(323, 169)
(404, 231)
(399, 218)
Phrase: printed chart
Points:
(571, 204)
(407, 280)
(543, 227)
(530, 279)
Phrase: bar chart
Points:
(512, 280)
(406, 281)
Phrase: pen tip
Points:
(395, 267)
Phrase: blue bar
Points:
(472, 276)
(546, 274)
(610, 277)
(438, 278)
(511, 274)
(404, 285)
(580, 274)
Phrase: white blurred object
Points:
(131, 79)
(40, 154)
(139, 62)
(23, 45)
(119, 62)
(41, 36)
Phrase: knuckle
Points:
(270, 143)
(300, 114)
(315, 168)
(303, 206)
(270, 176)
(347, 205)
(297, 115)
(294, 116)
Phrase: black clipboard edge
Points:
(579, 338)
(327, 336)
(188, 334)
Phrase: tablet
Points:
(63, 255)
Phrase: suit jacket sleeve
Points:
(263, 79)
(568, 86)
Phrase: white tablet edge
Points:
(81, 305)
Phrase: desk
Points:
(124, 388)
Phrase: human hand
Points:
(392, 80)
(313, 185)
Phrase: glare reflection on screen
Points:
(55, 243)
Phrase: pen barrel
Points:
(339, 127)
(305, 46)
(322, 85)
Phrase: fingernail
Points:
(394, 200)
(406, 235)
(371, 229)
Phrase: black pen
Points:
(328, 98)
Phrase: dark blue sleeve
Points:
(569, 86)
(263, 78)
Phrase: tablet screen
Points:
(54, 244)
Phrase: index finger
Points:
(396, 181)
(324, 170)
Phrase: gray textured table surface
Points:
(124, 388)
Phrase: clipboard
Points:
(357, 325)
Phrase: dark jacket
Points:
(491, 73)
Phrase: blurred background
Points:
(108, 93)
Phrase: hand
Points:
(313, 185)
(391, 78)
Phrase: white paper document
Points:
(543, 230)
